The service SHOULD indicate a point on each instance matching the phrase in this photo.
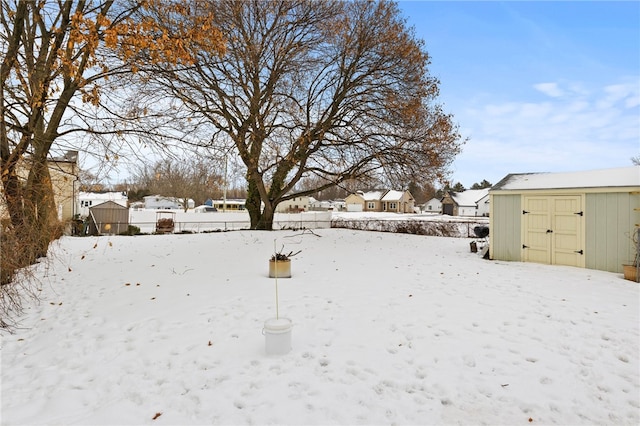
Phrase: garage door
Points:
(553, 230)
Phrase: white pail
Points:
(277, 332)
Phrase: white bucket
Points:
(277, 332)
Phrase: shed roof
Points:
(602, 178)
(108, 205)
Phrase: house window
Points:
(392, 206)
(371, 205)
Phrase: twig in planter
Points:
(280, 256)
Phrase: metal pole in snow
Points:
(275, 273)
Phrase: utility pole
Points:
(224, 189)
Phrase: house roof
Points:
(434, 200)
(470, 197)
(618, 177)
(392, 196)
(113, 195)
(372, 195)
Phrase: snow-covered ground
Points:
(388, 329)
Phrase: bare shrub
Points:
(416, 227)
(18, 283)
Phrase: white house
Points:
(87, 200)
(160, 202)
(320, 205)
(483, 205)
(434, 205)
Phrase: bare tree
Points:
(332, 89)
(178, 178)
(56, 57)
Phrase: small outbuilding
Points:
(585, 219)
(108, 218)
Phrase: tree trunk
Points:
(40, 210)
(265, 222)
(261, 218)
(253, 203)
(13, 195)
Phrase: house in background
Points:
(585, 219)
(294, 205)
(364, 201)
(227, 205)
(159, 202)
(380, 201)
(339, 205)
(398, 202)
(64, 175)
(434, 205)
(326, 205)
(484, 206)
(90, 199)
(472, 202)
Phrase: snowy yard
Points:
(388, 329)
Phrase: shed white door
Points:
(553, 230)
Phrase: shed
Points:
(108, 218)
(90, 199)
(585, 219)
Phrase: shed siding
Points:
(112, 214)
(505, 231)
(610, 220)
